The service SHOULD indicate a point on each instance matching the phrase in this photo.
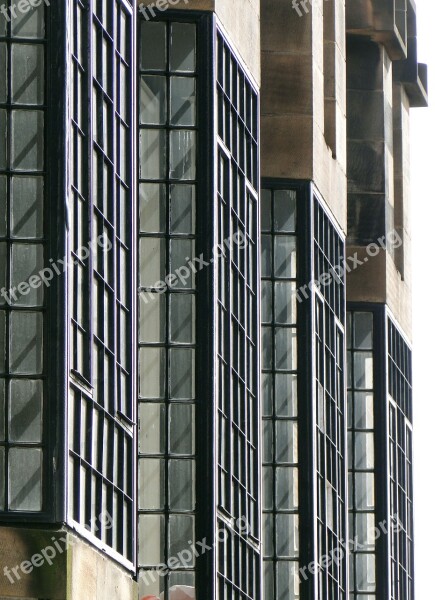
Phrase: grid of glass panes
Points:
(237, 329)
(79, 192)
(280, 425)
(361, 456)
(101, 411)
(167, 314)
(22, 167)
(330, 399)
(400, 465)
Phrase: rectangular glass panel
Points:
(287, 538)
(182, 155)
(286, 485)
(152, 433)
(183, 101)
(285, 349)
(182, 324)
(152, 536)
(27, 74)
(285, 257)
(152, 261)
(152, 318)
(26, 343)
(181, 530)
(152, 207)
(152, 154)
(181, 429)
(182, 209)
(152, 100)
(25, 475)
(27, 260)
(151, 493)
(181, 484)
(25, 410)
(29, 24)
(182, 373)
(182, 47)
(152, 368)
(3, 138)
(27, 207)
(285, 303)
(284, 207)
(27, 147)
(153, 54)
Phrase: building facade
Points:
(205, 316)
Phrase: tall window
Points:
(101, 406)
(168, 130)
(22, 255)
(329, 393)
(361, 457)
(237, 329)
(400, 465)
(280, 397)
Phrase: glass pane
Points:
(182, 154)
(365, 573)
(285, 257)
(2, 411)
(25, 474)
(3, 138)
(181, 484)
(2, 341)
(152, 261)
(364, 451)
(26, 343)
(288, 578)
(181, 532)
(152, 207)
(182, 323)
(286, 488)
(285, 349)
(363, 410)
(181, 429)
(183, 41)
(27, 207)
(363, 370)
(149, 583)
(266, 302)
(364, 491)
(287, 537)
(3, 211)
(152, 320)
(365, 530)
(152, 372)
(152, 154)
(29, 24)
(27, 74)
(285, 303)
(267, 389)
(182, 198)
(3, 68)
(284, 207)
(152, 431)
(153, 55)
(183, 101)
(267, 488)
(182, 373)
(151, 492)
(286, 440)
(363, 330)
(27, 260)
(152, 538)
(266, 214)
(25, 410)
(5, 296)
(2, 478)
(286, 395)
(27, 147)
(152, 100)
(267, 346)
(182, 252)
